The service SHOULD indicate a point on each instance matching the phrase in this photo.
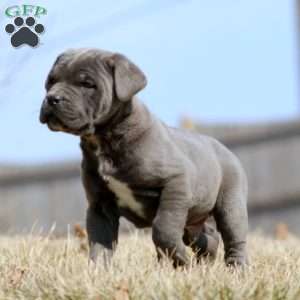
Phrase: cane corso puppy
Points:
(136, 166)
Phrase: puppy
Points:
(136, 166)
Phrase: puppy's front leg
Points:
(102, 216)
(102, 229)
(168, 225)
(102, 220)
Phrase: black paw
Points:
(24, 33)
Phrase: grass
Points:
(34, 267)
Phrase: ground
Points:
(34, 267)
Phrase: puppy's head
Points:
(86, 87)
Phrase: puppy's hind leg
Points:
(232, 221)
(204, 240)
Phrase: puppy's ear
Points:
(128, 78)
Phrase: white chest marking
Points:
(125, 197)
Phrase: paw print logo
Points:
(27, 33)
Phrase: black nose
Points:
(53, 100)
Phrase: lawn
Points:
(33, 267)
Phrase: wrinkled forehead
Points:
(80, 60)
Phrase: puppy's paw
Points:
(100, 255)
(236, 261)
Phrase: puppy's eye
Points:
(88, 84)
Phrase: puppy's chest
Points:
(132, 196)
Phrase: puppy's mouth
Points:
(55, 124)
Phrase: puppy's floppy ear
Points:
(128, 78)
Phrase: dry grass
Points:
(45, 268)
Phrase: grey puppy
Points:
(137, 167)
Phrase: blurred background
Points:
(226, 68)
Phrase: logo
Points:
(24, 29)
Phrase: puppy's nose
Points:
(53, 100)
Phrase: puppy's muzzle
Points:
(49, 104)
(53, 100)
(45, 114)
